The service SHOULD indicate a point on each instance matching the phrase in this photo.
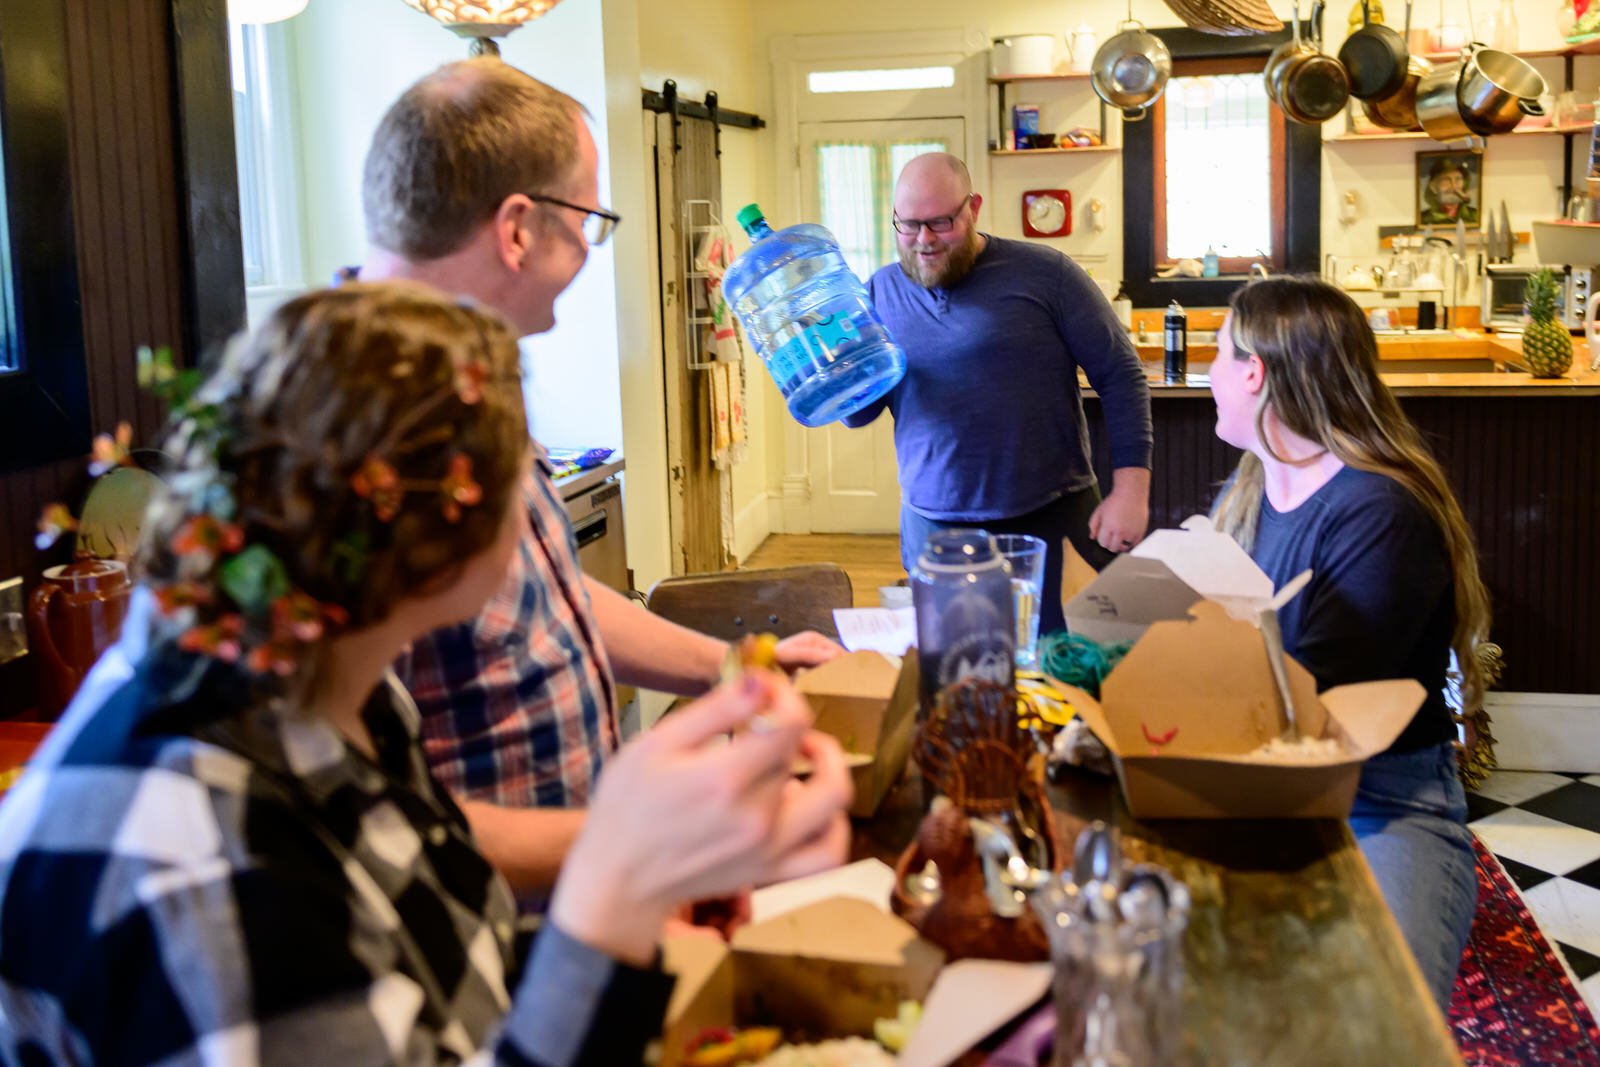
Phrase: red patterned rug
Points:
(1514, 1002)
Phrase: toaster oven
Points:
(1503, 295)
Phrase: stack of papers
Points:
(887, 630)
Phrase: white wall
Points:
(593, 380)
(353, 58)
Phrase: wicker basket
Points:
(1227, 18)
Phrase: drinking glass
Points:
(1026, 556)
(1118, 962)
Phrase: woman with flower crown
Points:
(237, 855)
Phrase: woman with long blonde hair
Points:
(1335, 478)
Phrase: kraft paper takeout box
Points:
(868, 702)
(829, 970)
(1188, 599)
(825, 970)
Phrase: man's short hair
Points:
(455, 145)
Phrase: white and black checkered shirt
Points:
(184, 884)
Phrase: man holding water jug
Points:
(989, 425)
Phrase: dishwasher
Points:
(593, 499)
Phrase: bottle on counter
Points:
(1176, 336)
(961, 594)
(1123, 306)
(1209, 266)
(810, 320)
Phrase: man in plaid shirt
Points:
(483, 182)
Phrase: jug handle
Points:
(1589, 324)
(1134, 114)
(1530, 107)
(39, 615)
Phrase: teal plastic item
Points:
(1078, 661)
(810, 320)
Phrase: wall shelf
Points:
(1412, 135)
(1071, 76)
(1054, 151)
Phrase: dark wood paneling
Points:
(1524, 471)
(131, 175)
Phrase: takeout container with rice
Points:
(1196, 721)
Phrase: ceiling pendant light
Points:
(258, 12)
(481, 21)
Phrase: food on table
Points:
(846, 1052)
(1303, 749)
(1546, 344)
(893, 1034)
(726, 1046)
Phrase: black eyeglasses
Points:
(941, 224)
(597, 221)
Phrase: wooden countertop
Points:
(1504, 350)
(1291, 956)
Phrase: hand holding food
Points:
(683, 815)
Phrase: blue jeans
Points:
(1410, 818)
(1065, 517)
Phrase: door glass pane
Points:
(855, 182)
(1219, 166)
(846, 180)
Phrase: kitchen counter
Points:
(1465, 361)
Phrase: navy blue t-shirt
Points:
(988, 419)
(1381, 602)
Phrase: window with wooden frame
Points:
(1214, 163)
(1218, 161)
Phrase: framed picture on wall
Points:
(1449, 188)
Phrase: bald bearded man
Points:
(989, 426)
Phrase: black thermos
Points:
(1177, 344)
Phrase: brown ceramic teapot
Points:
(75, 614)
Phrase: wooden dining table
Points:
(1291, 955)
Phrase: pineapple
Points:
(1546, 344)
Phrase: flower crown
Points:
(272, 622)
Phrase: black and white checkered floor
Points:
(1545, 829)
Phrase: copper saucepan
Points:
(1398, 110)
(1316, 87)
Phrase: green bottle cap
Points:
(749, 215)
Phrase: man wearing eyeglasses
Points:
(483, 181)
(989, 426)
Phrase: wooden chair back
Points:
(779, 600)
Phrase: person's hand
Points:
(1122, 517)
(808, 649)
(681, 815)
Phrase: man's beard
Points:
(957, 262)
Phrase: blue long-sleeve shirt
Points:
(989, 419)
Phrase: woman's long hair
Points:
(1322, 384)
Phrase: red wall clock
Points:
(1046, 213)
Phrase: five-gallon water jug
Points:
(810, 320)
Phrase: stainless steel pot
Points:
(1131, 69)
(1497, 89)
(1438, 109)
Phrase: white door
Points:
(848, 171)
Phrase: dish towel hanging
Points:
(728, 396)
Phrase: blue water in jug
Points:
(810, 320)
